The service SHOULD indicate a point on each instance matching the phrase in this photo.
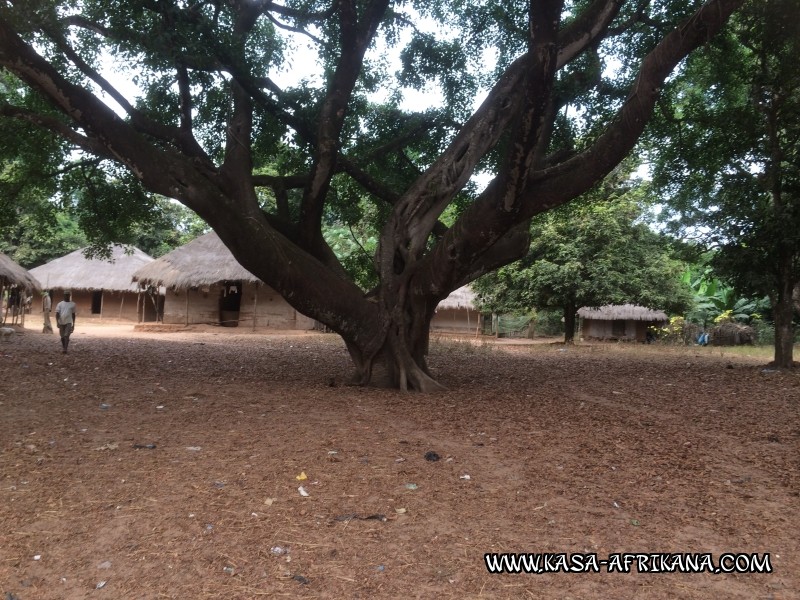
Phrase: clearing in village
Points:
(214, 463)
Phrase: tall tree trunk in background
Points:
(783, 311)
(569, 322)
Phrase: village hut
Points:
(101, 288)
(16, 286)
(627, 322)
(206, 285)
(457, 313)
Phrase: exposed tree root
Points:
(394, 367)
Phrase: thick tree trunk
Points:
(400, 361)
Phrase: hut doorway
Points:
(618, 328)
(230, 302)
(97, 303)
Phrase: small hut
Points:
(457, 313)
(18, 284)
(101, 288)
(206, 285)
(627, 322)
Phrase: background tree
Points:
(44, 230)
(728, 158)
(52, 204)
(32, 241)
(592, 252)
(261, 163)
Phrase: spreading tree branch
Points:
(355, 39)
(494, 213)
(425, 201)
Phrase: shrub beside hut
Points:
(16, 286)
(728, 333)
(206, 285)
(625, 322)
(101, 288)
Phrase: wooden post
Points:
(102, 301)
(187, 306)
(121, 304)
(138, 303)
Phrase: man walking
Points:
(65, 319)
(47, 306)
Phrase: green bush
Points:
(549, 322)
(677, 331)
(765, 332)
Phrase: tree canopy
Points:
(594, 251)
(572, 87)
(43, 230)
(727, 157)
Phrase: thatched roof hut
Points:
(620, 322)
(622, 312)
(463, 297)
(204, 261)
(20, 284)
(76, 272)
(457, 313)
(13, 274)
(206, 285)
(101, 288)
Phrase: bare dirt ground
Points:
(166, 465)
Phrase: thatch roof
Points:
(463, 297)
(76, 272)
(622, 312)
(12, 274)
(203, 261)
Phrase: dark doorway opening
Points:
(230, 301)
(618, 329)
(97, 302)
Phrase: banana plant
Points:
(713, 298)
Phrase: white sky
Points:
(303, 64)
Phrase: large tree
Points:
(213, 130)
(728, 156)
(594, 251)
